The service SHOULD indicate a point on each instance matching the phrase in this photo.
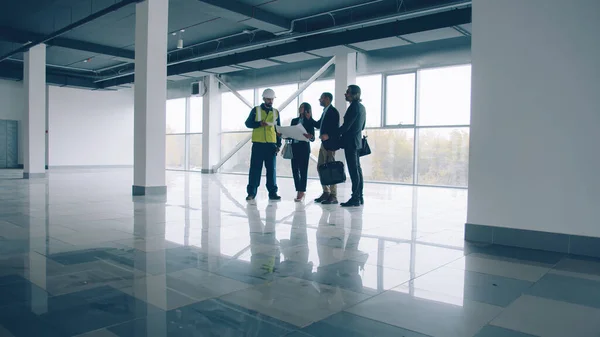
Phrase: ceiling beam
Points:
(249, 15)
(19, 36)
(396, 28)
(15, 72)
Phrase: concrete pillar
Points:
(34, 79)
(47, 124)
(345, 74)
(533, 156)
(211, 220)
(148, 222)
(36, 272)
(151, 19)
(211, 125)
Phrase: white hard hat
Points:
(268, 93)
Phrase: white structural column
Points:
(34, 79)
(211, 125)
(151, 19)
(345, 74)
(529, 174)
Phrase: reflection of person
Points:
(265, 146)
(351, 140)
(301, 150)
(295, 249)
(329, 129)
(339, 261)
(264, 247)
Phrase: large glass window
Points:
(370, 87)
(195, 154)
(314, 91)
(445, 96)
(240, 161)
(176, 115)
(400, 100)
(196, 114)
(427, 110)
(233, 111)
(391, 159)
(443, 157)
(175, 152)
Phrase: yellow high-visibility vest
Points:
(265, 134)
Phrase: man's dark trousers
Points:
(262, 153)
(355, 171)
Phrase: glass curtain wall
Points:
(184, 134)
(417, 126)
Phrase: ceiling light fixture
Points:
(180, 41)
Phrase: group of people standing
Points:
(266, 144)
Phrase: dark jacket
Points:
(330, 127)
(310, 129)
(355, 120)
(251, 122)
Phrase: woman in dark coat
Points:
(301, 150)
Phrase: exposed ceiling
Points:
(219, 36)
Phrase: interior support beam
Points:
(237, 55)
(68, 28)
(280, 108)
(19, 36)
(249, 15)
(235, 93)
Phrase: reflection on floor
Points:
(80, 257)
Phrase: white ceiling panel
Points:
(178, 77)
(259, 64)
(380, 44)
(296, 57)
(331, 51)
(468, 27)
(223, 70)
(433, 35)
(196, 74)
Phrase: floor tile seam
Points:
(121, 267)
(432, 270)
(416, 277)
(232, 306)
(507, 277)
(346, 310)
(374, 320)
(576, 275)
(514, 260)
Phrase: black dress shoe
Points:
(274, 197)
(323, 197)
(351, 203)
(330, 201)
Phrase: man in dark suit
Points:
(328, 125)
(351, 141)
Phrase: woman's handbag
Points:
(287, 151)
(365, 150)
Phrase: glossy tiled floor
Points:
(80, 257)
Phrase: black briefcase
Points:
(332, 173)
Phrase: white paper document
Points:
(295, 132)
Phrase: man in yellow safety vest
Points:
(266, 143)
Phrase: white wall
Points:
(535, 125)
(12, 107)
(90, 128)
